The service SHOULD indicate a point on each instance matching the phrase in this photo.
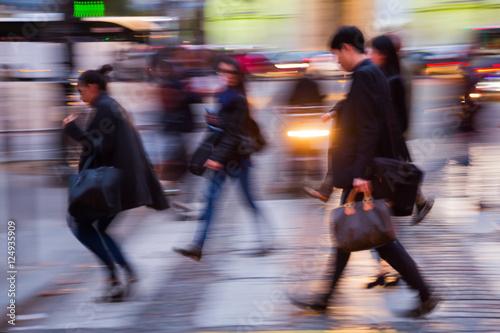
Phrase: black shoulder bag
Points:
(95, 193)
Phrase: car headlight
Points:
(308, 133)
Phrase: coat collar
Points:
(104, 95)
(361, 64)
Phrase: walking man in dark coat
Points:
(365, 128)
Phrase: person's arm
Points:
(104, 125)
(364, 104)
(332, 114)
(71, 129)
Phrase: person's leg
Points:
(244, 179)
(114, 249)
(85, 232)
(194, 250)
(383, 277)
(339, 262)
(211, 194)
(396, 256)
(326, 187)
(336, 266)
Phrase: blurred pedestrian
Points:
(227, 157)
(364, 128)
(305, 91)
(176, 119)
(407, 79)
(384, 55)
(121, 147)
(324, 192)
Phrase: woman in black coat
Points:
(384, 55)
(120, 147)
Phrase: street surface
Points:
(229, 290)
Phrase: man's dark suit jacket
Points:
(363, 127)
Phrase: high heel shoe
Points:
(392, 283)
(379, 281)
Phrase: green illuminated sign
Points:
(88, 8)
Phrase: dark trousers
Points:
(92, 234)
(326, 187)
(393, 253)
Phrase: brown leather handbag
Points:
(362, 225)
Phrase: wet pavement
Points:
(230, 290)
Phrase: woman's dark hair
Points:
(96, 77)
(232, 62)
(348, 34)
(385, 46)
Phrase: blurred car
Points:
(415, 61)
(306, 142)
(324, 64)
(442, 64)
(317, 63)
(291, 63)
(255, 63)
(443, 60)
(486, 76)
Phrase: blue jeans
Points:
(97, 240)
(213, 193)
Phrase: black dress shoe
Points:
(190, 251)
(316, 304)
(425, 307)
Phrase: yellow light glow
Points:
(342, 81)
(287, 66)
(475, 95)
(74, 83)
(34, 70)
(76, 103)
(308, 134)
(487, 70)
(166, 36)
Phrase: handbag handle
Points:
(367, 201)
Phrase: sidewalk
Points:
(456, 248)
(231, 291)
